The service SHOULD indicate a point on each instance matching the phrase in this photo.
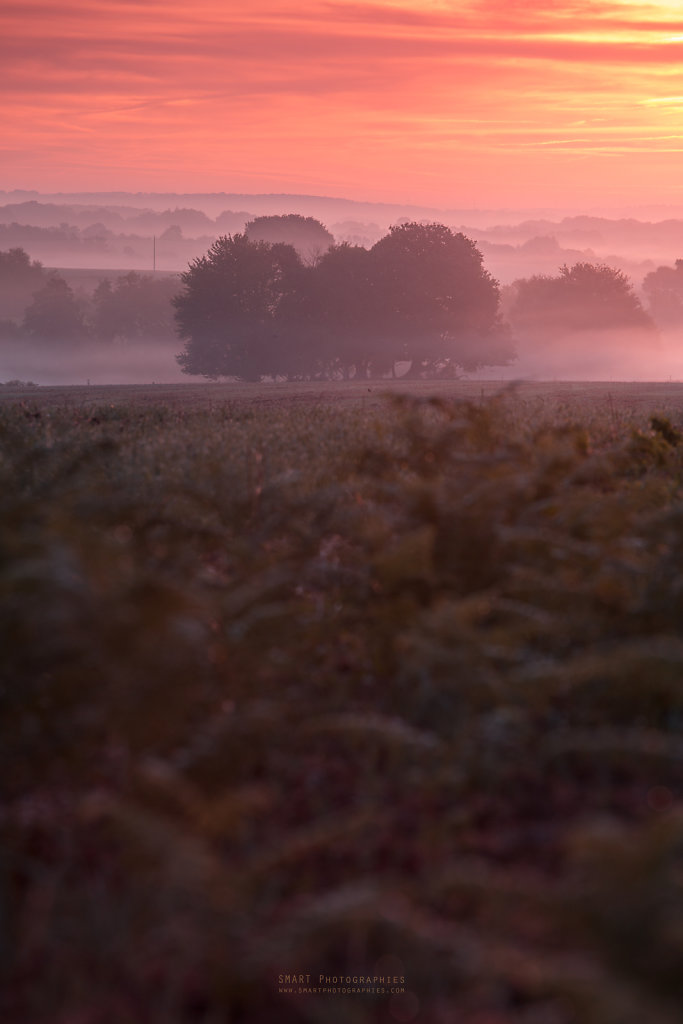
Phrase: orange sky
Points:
(461, 103)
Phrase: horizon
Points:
(300, 200)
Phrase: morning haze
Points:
(137, 246)
(341, 512)
(546, 133)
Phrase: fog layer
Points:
(88, 243)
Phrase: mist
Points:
(87, 238)
(141, 364)
(164, 231)
(601, 359)
(605, 356)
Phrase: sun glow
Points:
(468, 103)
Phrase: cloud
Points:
(427, 81)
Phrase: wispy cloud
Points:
(380, 95)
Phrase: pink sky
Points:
(489, 103)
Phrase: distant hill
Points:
(325, 208)
(141, 230)
(330, 208)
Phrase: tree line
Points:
(38, 306)
(281, 300)
(420, 296)
(585, 299)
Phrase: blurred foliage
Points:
(293, 689)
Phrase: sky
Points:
(467, 103)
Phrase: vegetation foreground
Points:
(374, 691)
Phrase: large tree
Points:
(250, 309)
(436, 304)
(335, 315)
(227, 312)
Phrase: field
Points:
(308, 683)
(537, 396)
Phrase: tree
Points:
(250, 309)
(136, 308)
(335, 318)
(436, 303)
(227, 312)
(55, 314)
(584, 298)
(309, 237)
(664, 290)
(10, 331)
(20, 277)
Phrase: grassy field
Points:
(622, 397)
(342, 682)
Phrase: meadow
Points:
(342, 703)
